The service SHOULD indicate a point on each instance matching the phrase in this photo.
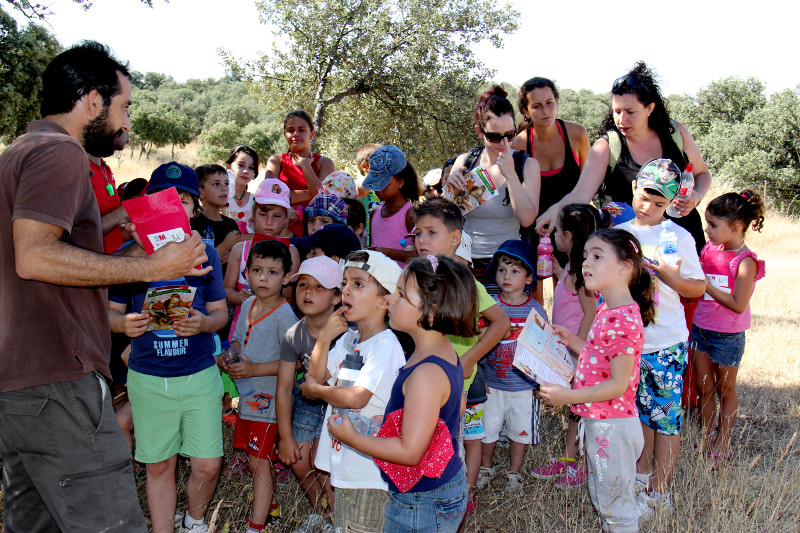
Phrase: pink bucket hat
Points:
(273, 191)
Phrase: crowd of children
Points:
(367, 358)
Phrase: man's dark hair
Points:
(76, 72)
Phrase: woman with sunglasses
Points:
(514, 174)
(639, 118)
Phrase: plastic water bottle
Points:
(231, 356)
(407, 243)
(351, 367)
(364, 425)
(544, 263)
(684, 191)
(668, 243)
(208, 236)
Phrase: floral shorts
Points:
(660, 387)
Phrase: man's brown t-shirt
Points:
(49, 333)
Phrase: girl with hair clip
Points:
(636, 129)
(242, 166)
(607, 374)
(574, 308)
(515, 176)
(723, 314)
(299, 168)
(415, 447)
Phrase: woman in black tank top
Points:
(559, 147)
(639, 117)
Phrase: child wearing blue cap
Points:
(510, 398)
(173, 383)
(396, 184)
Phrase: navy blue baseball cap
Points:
(522, 250)
(174, 174)
(384, 163)
(334, 239)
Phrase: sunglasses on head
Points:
(494, 137)
(629, 81)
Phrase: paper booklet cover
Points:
(479, 189)
(167, 304)
(541, 355)
(159, 218)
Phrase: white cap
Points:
(433, 177)
(385, 271)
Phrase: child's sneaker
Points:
(650, 502)
(485, 476)
(574, 478)
(556, 467)
(197, 528)
(312, 524)
(514, 484)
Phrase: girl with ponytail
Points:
(723, 314)
(574, 308)
(603, 391)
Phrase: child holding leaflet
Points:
(574, 307)
(174, 387)
(607, 374)
(435, 297)
(723, 315)
(369, 279)
(510, 399)
(318, 291)
(266, 317)
(665, 349)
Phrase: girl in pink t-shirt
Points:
(574, 308)
(723, 314)
(607, 374)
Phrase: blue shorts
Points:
(725, 349)
(434, 511)
(307, 417)
(660, 387)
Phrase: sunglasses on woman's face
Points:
(494, 137)
(629, 81)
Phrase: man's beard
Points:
(98, 136)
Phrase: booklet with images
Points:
(159, 218)
(479, 189)
(541, 355)
(167, 304)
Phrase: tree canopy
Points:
(379, 70)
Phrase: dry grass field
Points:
(757, 491)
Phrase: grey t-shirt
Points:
(297, 345)
(263, 346)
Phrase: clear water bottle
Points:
(208, 236)
(407, 243)
(544, 262)
(364, 425)
(351, 367)
(668, 243)
(231, 356)
(684, 191)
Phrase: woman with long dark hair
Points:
(636, 129)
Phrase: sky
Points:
(579, 44)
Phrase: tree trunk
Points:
(319, 107)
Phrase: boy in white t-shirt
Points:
(666, 347)
(361, 494)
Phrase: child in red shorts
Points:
(263, 322)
